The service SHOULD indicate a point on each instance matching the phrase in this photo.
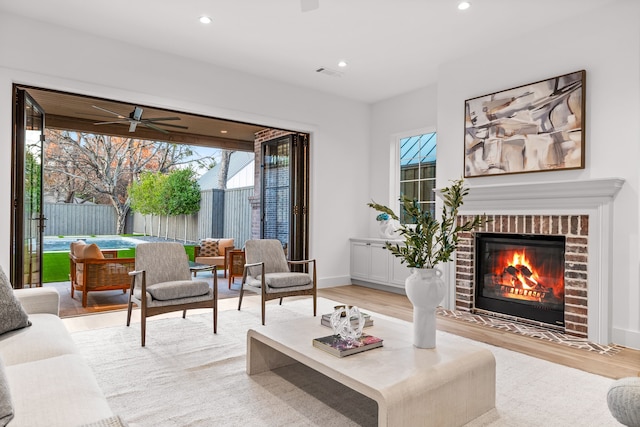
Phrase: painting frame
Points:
(536, 127)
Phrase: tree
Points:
(225, 157)
(145, 197)
(101, 167)
(182, 194)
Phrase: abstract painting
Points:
(531, 128)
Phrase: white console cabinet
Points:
(372, 263)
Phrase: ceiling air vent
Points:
(329, 72)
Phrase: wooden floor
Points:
(622, 364)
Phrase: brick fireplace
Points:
(575, 229)
(582, 211)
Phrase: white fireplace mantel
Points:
(593, 197)
(586, 193)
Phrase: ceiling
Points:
(76, 112)
(391, 46)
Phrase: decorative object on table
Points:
(389, 227)
(531, 128)
(326, 320)
(428, 242)
(347, 322)
(340, 347)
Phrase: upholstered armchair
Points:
(267, 272)
(162, 283)
(213, 252)
(92, 269)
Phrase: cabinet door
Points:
(360, 260)
(399, 271)
(379, 271)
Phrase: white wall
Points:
(57, 58)
(605, 43)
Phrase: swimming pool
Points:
(52, 244)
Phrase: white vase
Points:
(425, 289)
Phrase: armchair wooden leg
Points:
(129, 308)
(184, 314)
(143, 327)
(84, 297)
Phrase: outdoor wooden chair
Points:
(267, 272)
(92, 269)
(162, 283)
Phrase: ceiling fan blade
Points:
(309, 5)
(146, 122)
(150, 125)
(136, 114)
(109, 111)
(132, 126)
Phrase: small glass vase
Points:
(347, 322)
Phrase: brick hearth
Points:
(576, 230)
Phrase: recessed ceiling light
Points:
(342, 64)
(464, 5)
(223, 131)
(205, 19)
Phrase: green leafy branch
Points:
(430, 241)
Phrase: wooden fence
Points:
(222, 214)
(65, 219)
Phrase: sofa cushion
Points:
(12, 315)
(178, 289)
(58, 391)
(92, 251)
(6, 405)
(114, 421)
(47, 337)
(209, 247)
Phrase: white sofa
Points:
(49, 382)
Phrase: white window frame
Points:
(394, 166)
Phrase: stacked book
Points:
(341, 347)
(326, 320)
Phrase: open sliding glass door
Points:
(285, 194)
(27, 219)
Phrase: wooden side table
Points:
(235, 264)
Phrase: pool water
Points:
(51, 244)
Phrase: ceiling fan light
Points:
(205, 19)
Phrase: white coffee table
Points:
(446, 386)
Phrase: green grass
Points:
(55, 265)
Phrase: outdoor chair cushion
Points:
(12, 315)
(209, 247)
(284, 280)
(165, 291)
(92, 251)
(77, 248)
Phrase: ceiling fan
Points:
(135, 118)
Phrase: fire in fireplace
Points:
(521, 275)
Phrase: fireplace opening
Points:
(521, 275)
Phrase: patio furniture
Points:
(162, 283)
(92, 270)
(213, 252)
(267, 272)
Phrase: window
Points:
(418, 170)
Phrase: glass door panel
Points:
(28, 219)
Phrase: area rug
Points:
(186, 376)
